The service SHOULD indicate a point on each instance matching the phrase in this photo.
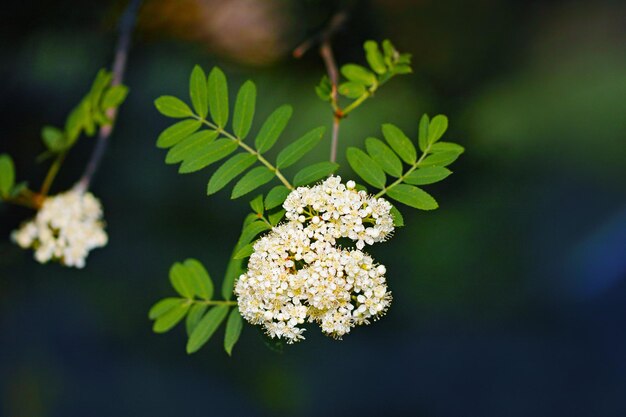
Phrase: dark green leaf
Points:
(429, 175)
(171, 318)
(233, 270)
(193, 317)
(374, 57)
(440, 159)
(163, 306)
(366, 168)
(244, 252)
(244, 109)
(250, 232)
(209, 154)
(198, 91)
(229, 170)
(296, 150)
(436, 129)
(351, 89)
(234, 325)
(384, 157)
(218, 97)
(206, 327)
(114, 97)
(177, 132)
(412, 196)
(181, 280)
(314, 172)
(253, 179)
(358, 74)
(190, 146)
(276, 197)
(400, 143)
(398, 219)
(423, 133)
(275, 218)
(257, 204)
(323, 89)
(272, 128)
(171, 106)
(199, 278)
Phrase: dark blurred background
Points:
(510, 300)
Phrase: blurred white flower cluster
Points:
(65, 229)
(298, 272)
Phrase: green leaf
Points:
(366, 168)
(447, 147)
(177, 132)
(253, 179)
(234, 325)
(244, 252)
(398, 219)
(276, 197)
(384, 157)
(244, 109)
(163, 306)
(374, 57)
(207, 155)
(429, 175)
(53, 138)
(171, 318)
(114, 97)
(181, 280)
(233, 270)
(206, 327)
(412, 196)
(193, 317)
(436, 129)
(171, 106)
(250, 232)
(275, 218)
(440, 159)
(272, 128)
(229, 171)
(257, 204)
(200, 279)
(423, 133)
(314, 172)
(218, 97)
(198, 91)
(400, 143)
(190, 146)
(323, 89)
(296, 150)
(103, 79)
(7, 174)
(358, 74)
(351, 89)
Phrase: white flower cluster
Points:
(298, 273)
(66, 228)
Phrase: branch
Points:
(126, 26)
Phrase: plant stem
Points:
(52, 173)
(127, 23)
(406, 174)
(249, 149)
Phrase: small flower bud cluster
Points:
(65, 229)
(299, 274)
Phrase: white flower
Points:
(66, 228)
(297, 273)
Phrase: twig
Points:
(326, 51)
(126, 26)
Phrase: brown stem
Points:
(127, 23)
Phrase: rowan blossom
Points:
(65, 229)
